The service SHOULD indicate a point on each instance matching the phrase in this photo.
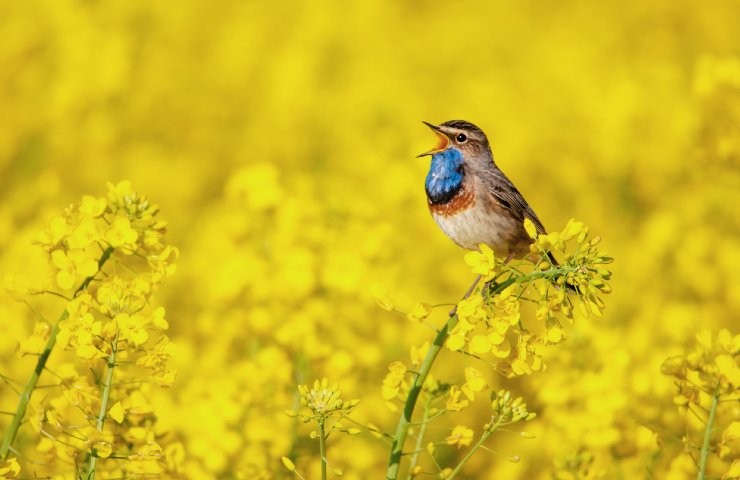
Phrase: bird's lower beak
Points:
(444, 141)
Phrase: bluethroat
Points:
(471, 199)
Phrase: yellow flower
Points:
(455, 341)
(83, 234)
(733, 472)
(120, 233)
(73, 265)
(729, 369)
(480, 344)
(53, 420)
(392, 381)
(103, 449)
(454, 402)
(35, 343)
(571, 229)
(9, 468)
(418, 353)
(555, 334)
(482, 262)
(138, 404)
(502, 350)
(461, 437)
(420, 312)
(165, 378)
(94, 207)
(530, 228)
(380, 294)
(549, 241)
(506, 307)
(116, 412)
(520, 367)
(58, 229)
(471, 309)
(157, 319)
(474, 383)
(131, 328)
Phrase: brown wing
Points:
(509, 198)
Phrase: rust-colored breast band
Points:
(462, 201)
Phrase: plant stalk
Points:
(704, 453)
(420, 437)
(105, 397)
(322, 448)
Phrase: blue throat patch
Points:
(445, 176)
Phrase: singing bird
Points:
(471, 199)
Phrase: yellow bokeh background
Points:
(279, 138)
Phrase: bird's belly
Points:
(475, 225)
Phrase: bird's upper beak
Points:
(444, 141)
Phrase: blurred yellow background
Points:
(279, 138)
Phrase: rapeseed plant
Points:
(95, 415)
(487, 325)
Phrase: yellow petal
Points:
(103, 449)
(116, 412)
(530, 228)
(729, 368)
(479, 344)
(455, 342)
(65, 279)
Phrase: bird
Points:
(471, 199)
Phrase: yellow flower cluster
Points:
(323, 400)
(327, 410)
(708, 382)
(506, 411)
(487, 324)
(492, 324)
(95, 415)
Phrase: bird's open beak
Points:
(444, 141)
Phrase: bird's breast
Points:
(470, 221)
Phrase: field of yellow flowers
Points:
(206, 208)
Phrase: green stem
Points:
(487, 433)
(704, 453)
(322, 448)
(105, 397)
(33, 380)
(402, 429)
(420, 437)
(20, 412)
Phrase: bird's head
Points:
(466, 138)
(462, 150)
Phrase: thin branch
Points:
(105, 397)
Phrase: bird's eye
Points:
(461, 137)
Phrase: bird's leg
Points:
(467, 294)
(509, 257)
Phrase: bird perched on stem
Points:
(471, 199)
